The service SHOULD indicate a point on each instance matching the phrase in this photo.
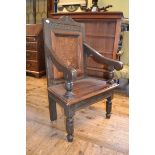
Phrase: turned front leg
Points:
(108, 107)
(52, 109)
(70, 126)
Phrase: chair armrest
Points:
(70, 73)
(101, 59)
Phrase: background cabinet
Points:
(102, 33)
(35, 58)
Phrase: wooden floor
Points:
(94, 135)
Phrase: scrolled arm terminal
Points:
(118, 65)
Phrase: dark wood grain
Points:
(35, 57)
(65, 49)
(108, 107)
(82, 89)
(31, 55)
(70, 127)
(52, 109)
(102, 31)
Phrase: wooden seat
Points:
(66, 51)
(82, 90)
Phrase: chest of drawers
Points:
(35, 59)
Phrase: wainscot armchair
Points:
(66, 51)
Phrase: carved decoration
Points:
(108, 107)
(67, 43)
(64, 24)
(69, 128)
(85, 91)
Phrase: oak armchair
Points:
(66, 53)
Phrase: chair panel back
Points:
(64, 38)
(67, 46)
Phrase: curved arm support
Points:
(101, 59)
(70, 73)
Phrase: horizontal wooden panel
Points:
(92, 63)
(33, 29)
(35, 73)
(104, 69)
(31, 55)
(31, 39)
(32, 65)
(78, 16)
(108, 55)
(99, 36)
(31, 46)
(98, 28)
(96, 72)
(101, 44)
